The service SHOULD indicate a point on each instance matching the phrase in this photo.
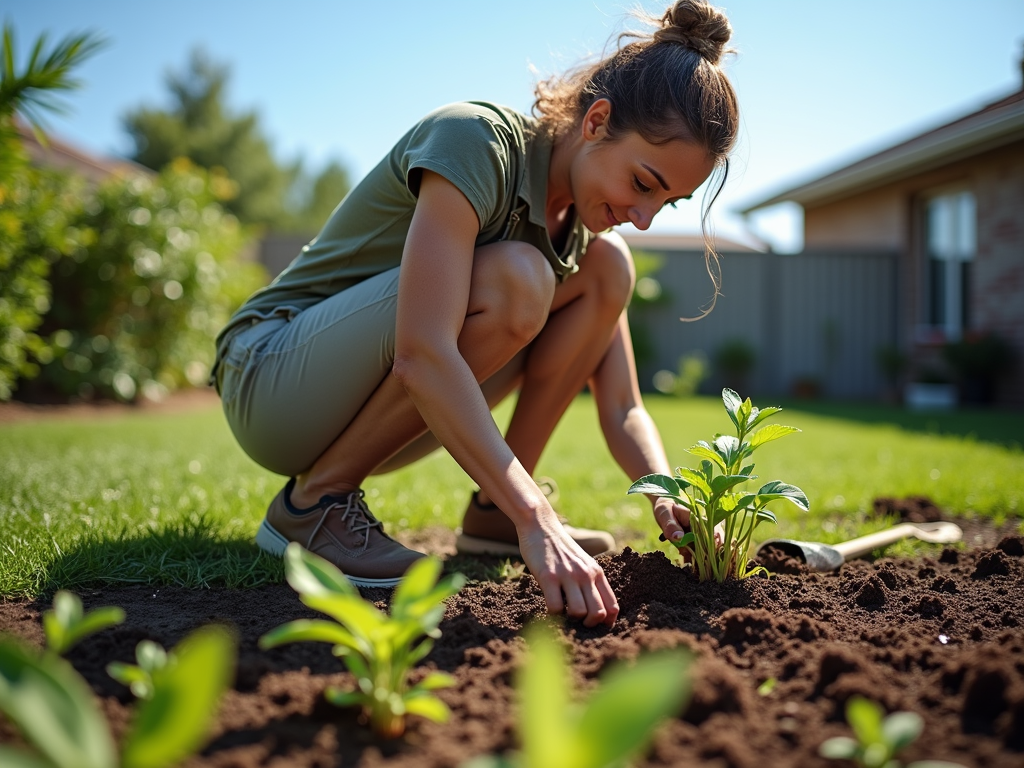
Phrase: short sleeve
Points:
(470, 148)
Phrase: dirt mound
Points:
(775, 661)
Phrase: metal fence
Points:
(812, 319)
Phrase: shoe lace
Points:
(354, 513)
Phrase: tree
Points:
(199, 127)
(317, 197)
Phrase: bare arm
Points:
(433, 298)
(632, 436)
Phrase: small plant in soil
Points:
(379, 650)
(67, 623)
(879, 738)
(53, 707)
(613, 724)
(709, 492)
(151, 658)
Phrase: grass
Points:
(164, 499)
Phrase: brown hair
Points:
(664, 85)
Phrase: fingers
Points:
(562, 568)
(674, 519)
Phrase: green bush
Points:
(152, 275)
(33, 214)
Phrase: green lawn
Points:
(170, 499)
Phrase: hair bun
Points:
(697, 25)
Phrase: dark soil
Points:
(942, 636)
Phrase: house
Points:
(948, 206)
(61, 156)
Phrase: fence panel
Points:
(817, 318)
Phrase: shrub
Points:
(153, 274)
(34, 206)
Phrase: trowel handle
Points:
(864, 544)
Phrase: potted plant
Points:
(734, 360)
(931, 390)
(977, 361)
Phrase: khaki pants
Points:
(290, 387)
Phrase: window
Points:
(951, 237)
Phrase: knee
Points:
(610, 267)
(522, 288)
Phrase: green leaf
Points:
(656, 485)
(137, 679)
(16, 758)
(777, 489)
(769, 433)
(310, 630)
(704, 451)
(53, 708)
(687, 540)
(429, 707)
(173, 724)
(695, 479)
(416, 583)
(358, 616)
(66, 624)
(761, 415)
(310, 574)
(765, 688)
(764, 516)
(728, 447)
(340, 698)
(745, 500)
(357, 666)
(744, 413)
(151, 656)
(838, 748)
(547, 736)
(732, 404)
(747, 470)
(631, 700)
(900, 729)
(434, 681)
(723, 483)
(865, 718)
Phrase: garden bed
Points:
(942, 636)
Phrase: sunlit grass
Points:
(170, 498)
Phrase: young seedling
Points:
(66, 623)
(612, 725)
(379, 650)
(151, 658)
(53, 707)
(710, 494)
(879, 738)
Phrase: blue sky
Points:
(820, 82)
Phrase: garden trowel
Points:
(828, 557)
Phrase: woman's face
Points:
(630, 179)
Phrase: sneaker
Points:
(486, 530)
(340, 529)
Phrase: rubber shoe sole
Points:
(272, 542)
(473, 545)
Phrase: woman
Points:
(467, 265)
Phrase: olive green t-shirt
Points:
(493, 154)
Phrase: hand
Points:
(674, 521)
(561, 567)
